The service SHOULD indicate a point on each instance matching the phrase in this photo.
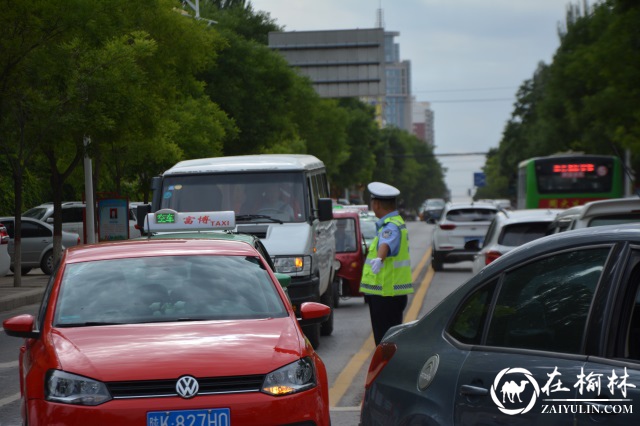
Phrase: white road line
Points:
(10, 364)
(8, 400)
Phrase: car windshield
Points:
(471, 215)
(435, 204)
(521, 233)
(166, 289)
(36, 213)
(346, 235)
(276, 195)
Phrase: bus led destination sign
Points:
(574, 168)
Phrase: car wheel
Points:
(436, 262)
(326, 328)
(313, 334)
(337, 283)
(46, 264)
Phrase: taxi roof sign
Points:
(167, 220)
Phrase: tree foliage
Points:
(586, 100)
(151, 86)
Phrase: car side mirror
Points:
(325, 209)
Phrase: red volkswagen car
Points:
(169, 332)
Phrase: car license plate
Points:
(480, 239)
(212, 417)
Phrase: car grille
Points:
(162, 388)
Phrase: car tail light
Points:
(78, 241)
(4, 236)
(447, 226)
(490, 256)
(380, 359)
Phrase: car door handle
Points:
(473, 390)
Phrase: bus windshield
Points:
(274, 195)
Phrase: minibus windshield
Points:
(276, 195)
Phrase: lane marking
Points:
(349, 372)
(8, 400)
(10, 364)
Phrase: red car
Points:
(350, 252)
(169, 332)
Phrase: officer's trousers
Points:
(385, 312)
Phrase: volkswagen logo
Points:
(187, 387)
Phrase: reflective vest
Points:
(394, 278)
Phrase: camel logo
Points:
(512, 390)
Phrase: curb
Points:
(23, 298)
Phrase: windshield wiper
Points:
(246, 217)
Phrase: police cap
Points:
(383, 191)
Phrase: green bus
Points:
(567, 180)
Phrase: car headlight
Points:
(293, 265)
(70, 388)
(295, 377)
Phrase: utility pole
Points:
(90, 228)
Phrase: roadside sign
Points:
(479, 179)
(113, 219)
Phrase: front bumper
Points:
(246, 409)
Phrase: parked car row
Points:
(36, 243)
(74, 217)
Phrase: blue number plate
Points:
(480, 239)
(213, 417)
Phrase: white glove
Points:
(376, 265)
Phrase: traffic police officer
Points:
(386, 276)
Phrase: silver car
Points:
(510, 229)
(37, 243)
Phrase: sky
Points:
(468, 58)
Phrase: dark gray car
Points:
(548, 334)
(37, 243)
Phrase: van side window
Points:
(72, 214)
(323, 189)
(313, 188)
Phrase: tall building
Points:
(362, 63)
(339, 63)
(422, 126)
(397, 106)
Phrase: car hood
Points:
(169, 350)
